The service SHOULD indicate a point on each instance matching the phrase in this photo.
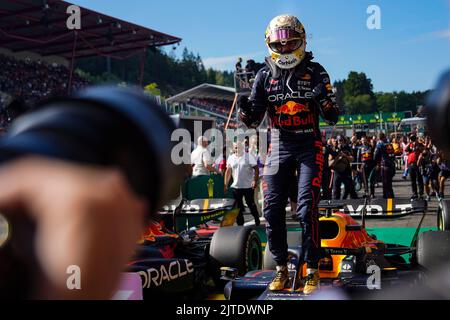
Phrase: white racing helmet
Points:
(286, 40)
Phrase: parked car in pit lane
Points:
(349, 256)
(180, 255)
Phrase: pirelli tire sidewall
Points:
(236, 247)
(433, 249)
(443, 215)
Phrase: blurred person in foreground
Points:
(294, 91)
(76, 211)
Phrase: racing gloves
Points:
(328, 109)
(249, 114)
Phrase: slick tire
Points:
(236, 247)
(443, 215)
(433, 249)
(294, 240)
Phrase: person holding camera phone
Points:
(340, 160)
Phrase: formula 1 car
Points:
(180, 255)
(353, 261)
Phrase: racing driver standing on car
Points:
(294, 91)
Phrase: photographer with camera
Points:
(340, 160)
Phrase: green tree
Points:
(152, 89)
(357, 84)
(340, 95)
(385, 101)
(172, 74)
(355, 90)
(358, 104)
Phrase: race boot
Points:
(281, 279)
(312, 283)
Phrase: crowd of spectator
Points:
(356, 166)
(364, 163)
(221, 107)
(31, 81)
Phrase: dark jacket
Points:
(287, 97)
(384, 154)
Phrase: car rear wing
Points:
(186, 214)
(377, 208)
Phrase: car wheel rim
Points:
(253, 256)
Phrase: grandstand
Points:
(206, 100)
(38, 51)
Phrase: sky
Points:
(409, 52)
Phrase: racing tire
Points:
(294, 240)
(433, 249)
(269, 262)
(443, 215)
(236, 247)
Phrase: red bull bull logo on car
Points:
(291, 108)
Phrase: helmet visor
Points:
(286, 47)
(280, 35)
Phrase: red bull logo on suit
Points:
(292, 108)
